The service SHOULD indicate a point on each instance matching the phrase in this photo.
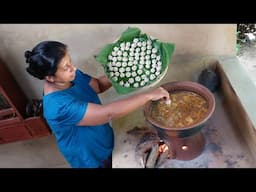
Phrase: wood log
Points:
(152, 157)
(162, 158)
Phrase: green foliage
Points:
(242, 39)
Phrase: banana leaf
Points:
(166, 51)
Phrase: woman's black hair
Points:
(44, 58)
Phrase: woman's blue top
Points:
(82, 146)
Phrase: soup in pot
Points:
(187, 108)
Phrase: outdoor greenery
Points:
(246, 34)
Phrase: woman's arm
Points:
(100, 114)
(100, 84)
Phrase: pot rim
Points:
(184, 86)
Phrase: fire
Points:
(162, 148)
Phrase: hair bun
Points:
(27, 56)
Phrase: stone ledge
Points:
(239, 93)
(242, 84)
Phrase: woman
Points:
(73, 109)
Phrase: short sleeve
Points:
(82, 77)
(64, 110)
(71, 112)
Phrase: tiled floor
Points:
(37, 153)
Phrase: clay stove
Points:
(184, 143)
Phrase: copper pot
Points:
(185, 143)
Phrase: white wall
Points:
(85, 41)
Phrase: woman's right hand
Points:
(159, 93)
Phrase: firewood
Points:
(152, 157)
(162, 158)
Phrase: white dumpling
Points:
(130, 63)
(137, 58)
(122, 75)
(134, 67)
(124, 64)
(143, 76)
(147, 72)
(148, 52)
(131, 59)
(153, 55)
(147, 66)
(121, 69)
(134, 45)
(158, 58)
(134, 74)
(137, 78)
(140, 66)
(125, 59)
(135, 40)
(110, 57)
(110, 68)
(148, 62)
(117, 74)
(131, 80)
(127, 84)
(122, 45)
(142, 53)
(142, 83)
(149, 47)
(136, 85)
(128, 44)
(143, 48)
(115, 78)
(154, 50)
(135, 62)
(111, 74)
(119, 53)
(142, 62)
(139, 71)
(136, 54)
(152, 77)
(121, 83)
(128, 74)
(146, 80)
(131, 54)
(125, 54)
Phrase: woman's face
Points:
(66, 71)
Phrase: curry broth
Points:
(187, 108)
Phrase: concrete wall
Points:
(85, 41)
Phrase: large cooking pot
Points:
(186, 142)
